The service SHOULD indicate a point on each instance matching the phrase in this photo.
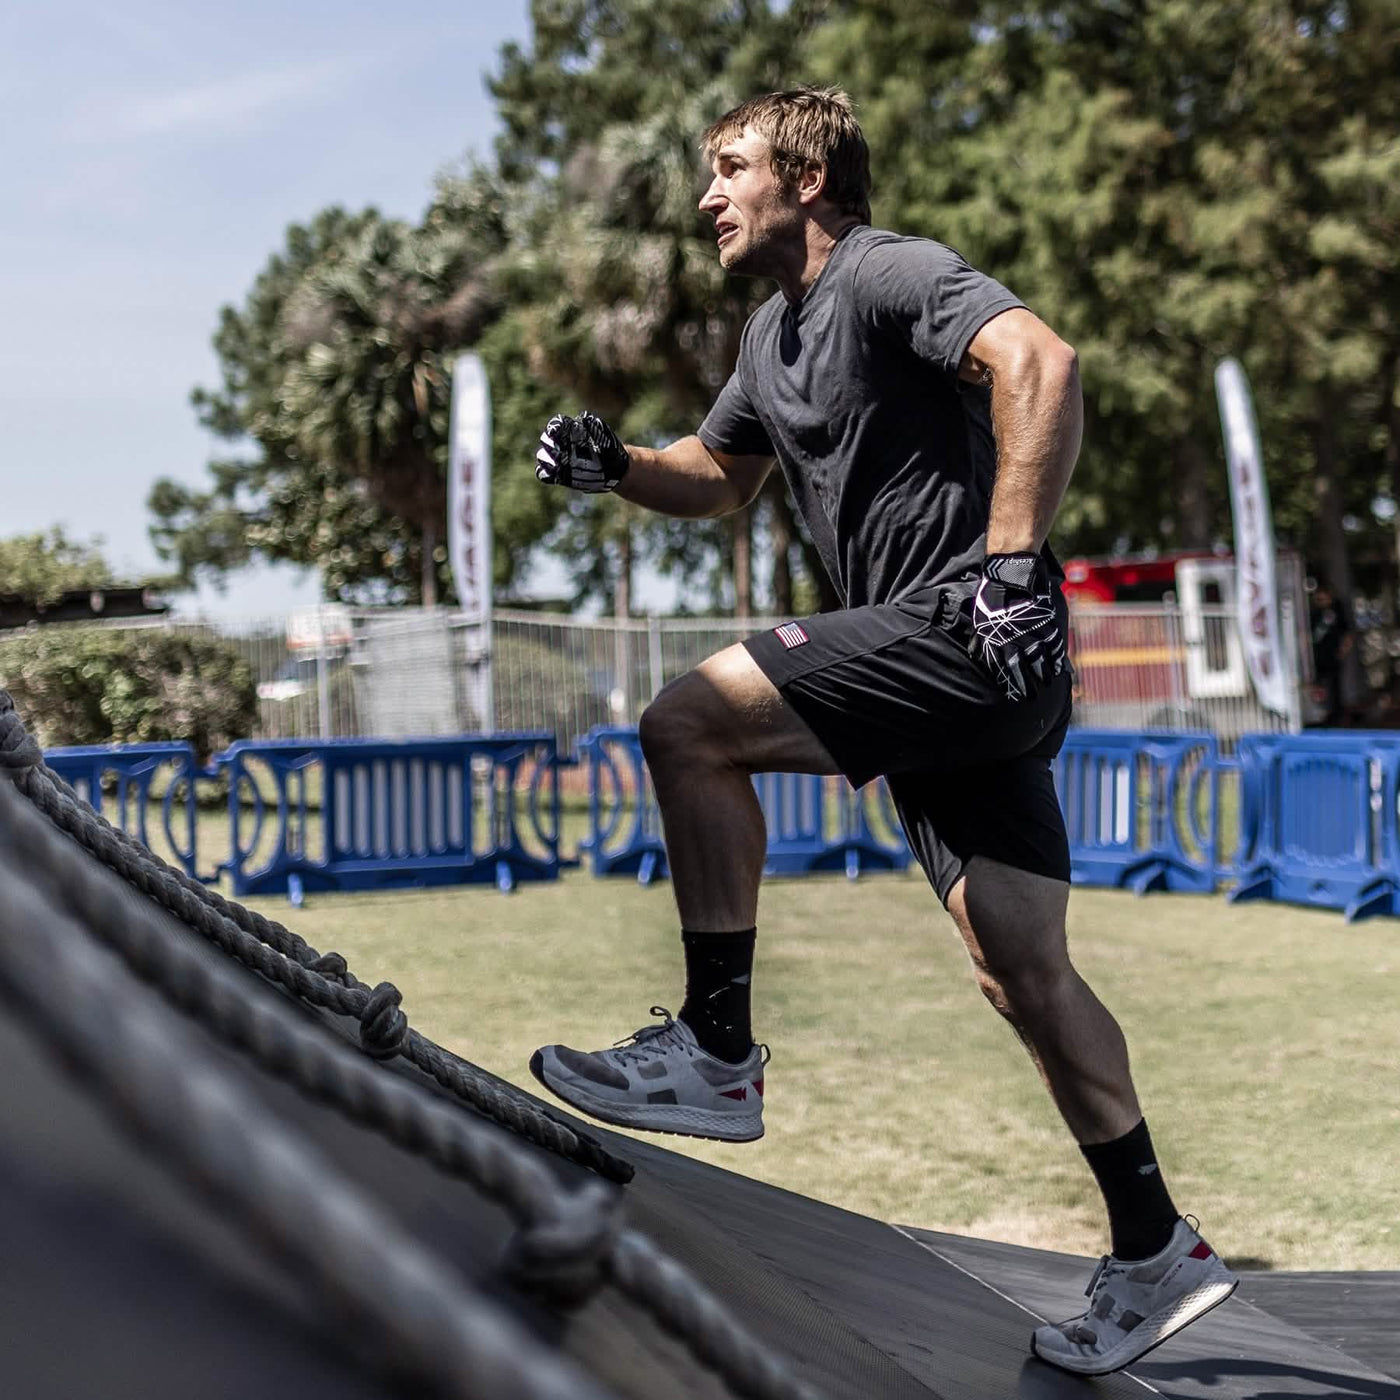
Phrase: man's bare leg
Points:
(704, 736)
(1013, 924)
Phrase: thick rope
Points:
(280, 956)
(153, 1077)
(17, 749)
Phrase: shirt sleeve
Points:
(926, 296)
(733, 426)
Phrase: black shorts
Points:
(890, 689)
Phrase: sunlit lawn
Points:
(1265, 1038)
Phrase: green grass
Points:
(1265, 1046)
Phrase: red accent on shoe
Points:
(740, 1093)
(1201, 1251)
(758, 1087)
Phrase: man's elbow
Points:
(1057, 371)
(733, 497)
(1044, 362)
(1062, 361)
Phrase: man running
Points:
(927, 424)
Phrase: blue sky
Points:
(153, 156)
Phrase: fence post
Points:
(488, 673)
(1288, 627)
(622, 665)
(323, 682)
(658, 674)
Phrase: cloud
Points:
(230, 104)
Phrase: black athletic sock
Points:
(718, 970)
(1141, 1215)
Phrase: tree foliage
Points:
(80, 685)
(42, 567)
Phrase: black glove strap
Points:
(1021, 571)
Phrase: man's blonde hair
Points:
(805, 126)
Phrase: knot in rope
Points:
(383, 1027)
(331, 966)
(561, 1256)
(17, 749)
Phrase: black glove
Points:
(582, 453)
(1016, 634)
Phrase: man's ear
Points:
(811, 184)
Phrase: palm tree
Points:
(376, 328)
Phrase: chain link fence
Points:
(339, 672)
(1155, 666)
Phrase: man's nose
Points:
(712, 199)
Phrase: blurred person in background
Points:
(927, 424)
(1332, 643)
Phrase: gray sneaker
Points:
(1135, 1305)
(660, 1079)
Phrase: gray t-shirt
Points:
(855, 389)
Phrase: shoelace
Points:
(652, 1040)
(658, 1039)
(1108, 1264)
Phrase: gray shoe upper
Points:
(662, 1063)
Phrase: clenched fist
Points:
(582, 453)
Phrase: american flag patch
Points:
(790, 634)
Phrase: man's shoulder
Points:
(881, 247)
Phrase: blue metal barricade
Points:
(821, 823)
(1318, 820)
(1140, 809)
(813, 823)
(624, 826)
(1319, 813)
(118, 779)
(356, 814)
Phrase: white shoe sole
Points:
(678, 1119)
(1150, 1333)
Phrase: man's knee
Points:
(675, 725)
(1026, 990)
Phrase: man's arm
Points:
(686, 479)
(1038, 418)
(691, 480)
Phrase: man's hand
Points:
(582, 453)
(1016, 634)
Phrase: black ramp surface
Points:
(870, 1292)
(1236, 1352)
(116, 1285)
(1358, 1313)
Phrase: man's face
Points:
(754, 217)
